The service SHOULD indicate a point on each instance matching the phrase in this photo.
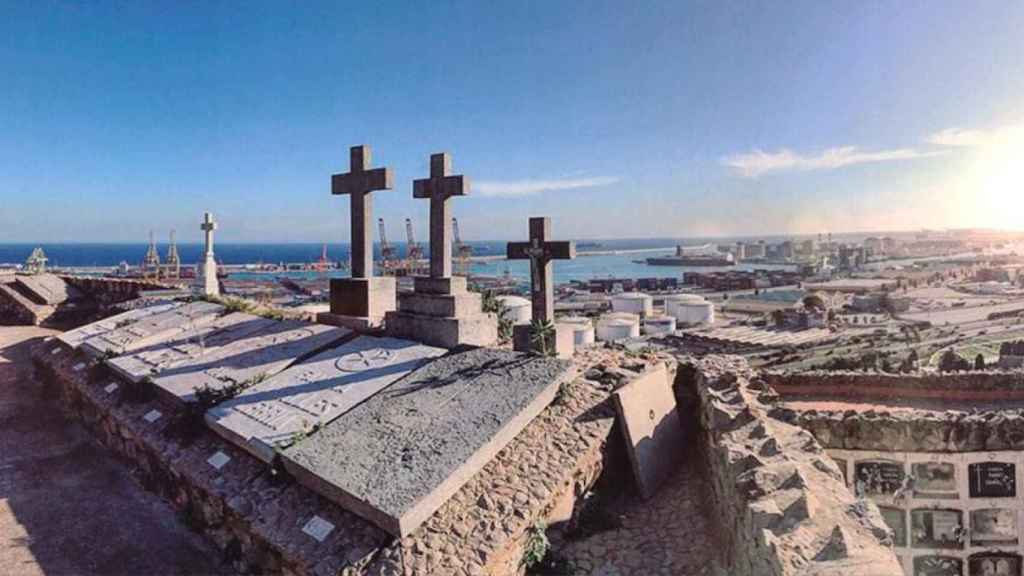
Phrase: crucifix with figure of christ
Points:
(439, 188)
(540, 251)
(358, 183)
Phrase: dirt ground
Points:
(66, 506)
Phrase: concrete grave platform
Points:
(152, 330)
(649, 421)
(258, 355)
(426, 435)
(74, 338)
(188, 346)
(47, 289)
(268, 416)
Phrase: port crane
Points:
(387, 251)
(413, 251)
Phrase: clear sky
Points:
(616, 119)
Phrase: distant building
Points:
(786, 250)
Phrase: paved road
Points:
(66, 506)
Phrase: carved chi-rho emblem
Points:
(365, 360)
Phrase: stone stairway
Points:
(16, 308)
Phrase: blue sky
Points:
(615, 119)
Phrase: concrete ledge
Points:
(361, 324)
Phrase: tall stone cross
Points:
(540, 252)
(358, 183)
(208, 226)
(439, 188)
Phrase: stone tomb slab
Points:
(268, 416)
(647, 413)
(259, 355)
(188, 346)
(152, 330)
(48, 289)
(397, 457)
(74, 338)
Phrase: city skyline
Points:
(672, 121)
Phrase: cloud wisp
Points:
(757, 163)
(972, 138)
(528, 187)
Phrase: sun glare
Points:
(997, 180)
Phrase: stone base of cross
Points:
(360, 303)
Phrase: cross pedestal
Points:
(441, 311)
(360, 302)
(540, 251)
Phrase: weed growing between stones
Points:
(188, 424)
(542, 337)
(492, 305)
(536, 547)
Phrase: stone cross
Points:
(540, 252)
(208, 226)
(439, 188)
(358, 183)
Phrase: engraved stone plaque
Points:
(992, 480)
(152, 416)
(896, 519)
(993, 527)
(934, 479)
(110, 388)
(938, 566)
(994, 564)
(936, 528)
(878, 476)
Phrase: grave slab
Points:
(188, 346)
(397, 457)
(268, 416)
(152, 330)
(47, 289)
(74, 338)
(649, 421)
(257, 356)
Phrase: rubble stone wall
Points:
(782, 503)
(110, 291)
(988, 385)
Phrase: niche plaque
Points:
(992, 480)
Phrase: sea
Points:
(608, 258)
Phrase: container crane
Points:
(462, 251)
(413, 251)
(387, 251)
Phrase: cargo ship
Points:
(697, 256)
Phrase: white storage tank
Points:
(618, 326)
(633, 303)
(690, 309)
(520, 310)
(658, 325)
(582, 329)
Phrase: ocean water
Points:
(593, 261)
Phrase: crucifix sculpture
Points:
(540, 252)
(439, 188)
(358, 183)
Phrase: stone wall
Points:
(255, 515)
(781, 500)
(987, 385)
(109, 291)
(17, 310)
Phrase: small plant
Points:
(536, 547)
(493, 305)
(542, 337)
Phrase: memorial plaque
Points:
(190, 345)
(993, 527)
(318, 528)
(55, 351)
(270, 415)
(992, 480)
(74, 338)
(246, 361)
(79, 367)
(936, 528)
(110, 388)
(938, 566)
(401, 454)
(994, 564)
(152, 416)
(878, 476)
(218, 460)
(151, 330)
(896, 519)
(934, 480)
